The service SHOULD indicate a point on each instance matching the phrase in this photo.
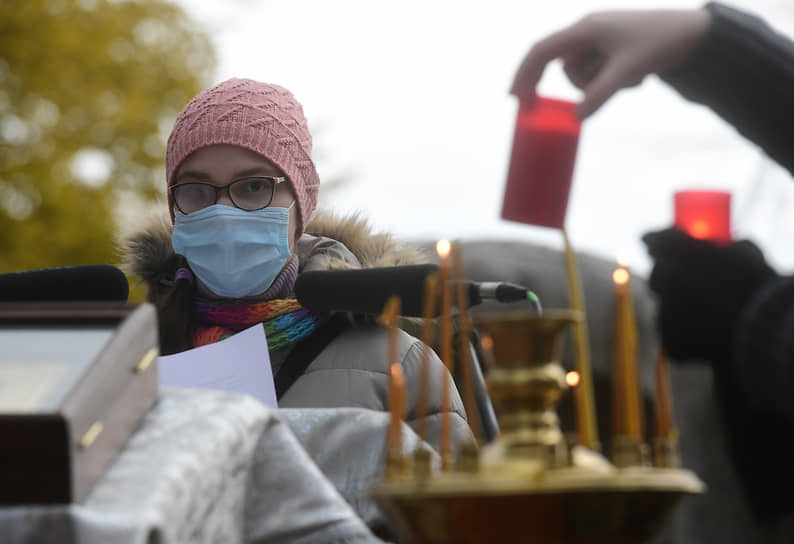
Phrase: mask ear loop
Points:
(183, 274)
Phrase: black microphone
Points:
(93, 282)
(365, 291)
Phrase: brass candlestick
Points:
(528, 381)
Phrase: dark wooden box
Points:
(75, 381)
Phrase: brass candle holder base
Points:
(533, 484)
(572, 505)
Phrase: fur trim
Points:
(371, 249)
(148, 253)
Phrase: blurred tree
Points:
(88, 93)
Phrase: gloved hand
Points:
(607, 51)
(702, 288)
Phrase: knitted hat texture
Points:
(262, 117)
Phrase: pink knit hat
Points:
(262, 117)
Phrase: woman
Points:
(242, 188)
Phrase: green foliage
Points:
(88, 93)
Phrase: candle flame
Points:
(620, 276)
(397, 372)
(443, 247)
(487, 342)
(700, 229)
(572, 378)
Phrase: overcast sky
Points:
(409, 102)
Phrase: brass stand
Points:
(532, 484)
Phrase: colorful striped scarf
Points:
(285, 321)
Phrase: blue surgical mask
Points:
(233, 252)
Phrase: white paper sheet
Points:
(240, 364)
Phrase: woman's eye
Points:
(196, 191)
(255, 186)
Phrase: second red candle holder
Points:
(704, 214)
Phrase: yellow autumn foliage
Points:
(88, 93)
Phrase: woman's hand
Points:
(606, 51)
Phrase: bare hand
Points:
(607, 51)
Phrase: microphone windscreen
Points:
(364, 291)
(68, 283)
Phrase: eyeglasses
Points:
(249, 193)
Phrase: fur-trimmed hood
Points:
(330, 242)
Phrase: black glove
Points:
(702, 288)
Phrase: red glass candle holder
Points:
(541, 164)
(704, 214)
